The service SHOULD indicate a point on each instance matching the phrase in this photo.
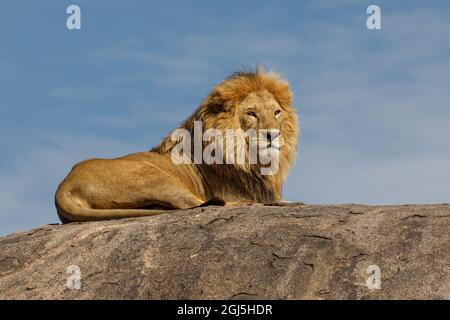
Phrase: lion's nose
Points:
(271, 136)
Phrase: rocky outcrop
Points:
(290, 251)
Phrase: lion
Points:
(148, 183)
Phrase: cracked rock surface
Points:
(291, 251)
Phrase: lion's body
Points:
(149, 183)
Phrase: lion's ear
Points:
(216, 108)
(215, 104)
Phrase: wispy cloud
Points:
(79, 92)
(374, 116)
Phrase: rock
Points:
(255, 252)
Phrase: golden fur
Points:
(148, 183)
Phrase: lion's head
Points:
(250, 101)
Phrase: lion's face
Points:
(261, 112)
(246, 101)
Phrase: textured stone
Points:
(292, 251)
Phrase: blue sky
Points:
(374, 106)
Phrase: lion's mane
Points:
(218, 109)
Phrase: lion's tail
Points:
(70, 210)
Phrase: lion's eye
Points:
(277, 113)
(251, 114)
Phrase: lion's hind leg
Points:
(112, 189)
(164, 201)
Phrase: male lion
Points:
(147, 183)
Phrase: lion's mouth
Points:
(269, 148)
(274, 144)
(271, 144)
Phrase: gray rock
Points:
(292, 251)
